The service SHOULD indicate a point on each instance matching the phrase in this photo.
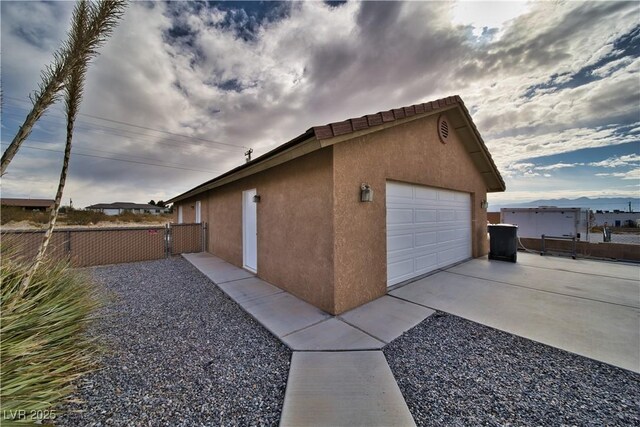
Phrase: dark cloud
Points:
(625, 46)
(377, 19)
(335, 3)
(329, 62)
(44, 31)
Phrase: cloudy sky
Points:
(182, 89)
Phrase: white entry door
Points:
(427, 228)
(198, 212)
(249, 231)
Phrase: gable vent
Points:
(443, 129)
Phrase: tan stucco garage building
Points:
(296, 218)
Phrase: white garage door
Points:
(427, 228)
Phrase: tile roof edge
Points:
(328, 131)
(346, 126)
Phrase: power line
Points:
(177, 165)
(144, 127)
(163, 131)
(104, 151)
(88, 126)
(120, 160)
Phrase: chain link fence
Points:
(84, 247)
(614, 236)
(185, 238)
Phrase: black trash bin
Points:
(503, 242)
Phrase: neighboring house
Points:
(297, 215)
(550, 221)
(617, 218)
(118, 208)
(29, 204)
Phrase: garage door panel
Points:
(426, 263)
(412, 253)
(445, 195)
(446, 215)
(413, 231)
(425, 193)
(401, 268)
(461, 197)
(425, 239)
(398, 190)
(427, 228)
(446, 236)
(452, 255)
(454, 235)
(399, 242)
(462, 215)
(426, 216)
(400, 216)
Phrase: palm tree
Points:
(91, 25)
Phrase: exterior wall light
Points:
(366, 193)
(256, 199)
(484, 204)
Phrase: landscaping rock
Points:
(455, 372)
(177, 352)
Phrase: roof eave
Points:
(333, 133)
(493, 179)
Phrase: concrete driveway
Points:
(591, 308)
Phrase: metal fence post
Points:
(68, 245)
(204, 237)
(167, 239)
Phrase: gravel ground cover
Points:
(177, 352)
(455, 372)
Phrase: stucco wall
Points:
(295, 225)
(412, 153)
(189, 209)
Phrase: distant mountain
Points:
(601, 203)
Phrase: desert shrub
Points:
(132, 217)
(43, 344)
(14, 213)
(75, 217)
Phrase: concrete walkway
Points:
(343, 389)
(338, 376)
(303, 327)
(586, 307)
